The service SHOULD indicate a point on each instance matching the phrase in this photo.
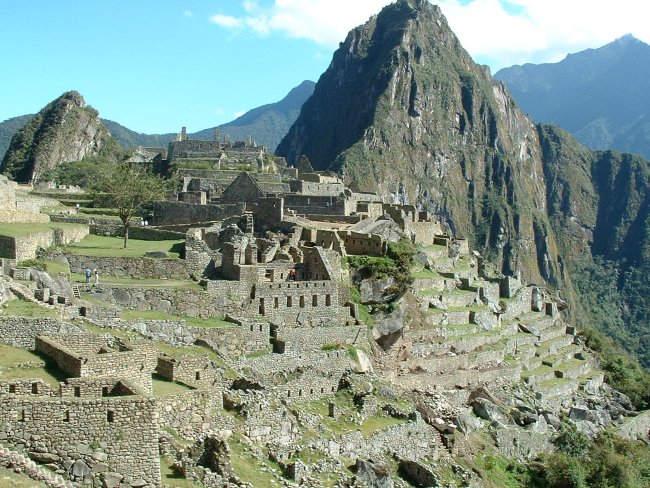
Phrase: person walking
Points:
(88, 274)
(96, 277)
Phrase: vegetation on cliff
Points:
(64, 130)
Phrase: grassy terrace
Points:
(208, 323)
(104, 246)
(23, 308)
(343, 424)
(169, 477)
(19, 230)
(162, 387)
(11, 359)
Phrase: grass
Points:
(424, 274)
(105, 246)
(209, 323)
(19, 230)
(23, 308)
(9, 478)
(247, 467)
(162, 387)
(125, 282)
(168, 476)
(342, 424)
(12, 357)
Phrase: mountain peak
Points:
(64, 130)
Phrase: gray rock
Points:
(377, 290)
(524, 416)
(467, 423)
(361, 363)
(44, 457)
(622, 399)
(156, 254)
(488, 411)
(437, 303)
(485, 318)
(388, 328)
(553, 420)
(58, 285)
(536, 300)
(373, 475)
(80, 469)
(121, 296)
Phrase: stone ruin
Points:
(463, 343)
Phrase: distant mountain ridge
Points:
(600, 95)
(267, 124)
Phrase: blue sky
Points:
(155, 65)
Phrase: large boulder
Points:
(373, 475)
(388, 328)
(377, 290)
(58, 285)
(360, 362)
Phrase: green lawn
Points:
(23, 308)
(168, 476)
(93, 245)
(162, 387)
(11, 357)
(18, 229)
(191, 321)
(125, 282)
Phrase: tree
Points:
(129, 188)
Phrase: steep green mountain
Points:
(404, 110)
(64, 130)
(7, 130)
(267, 124)
(599, 95)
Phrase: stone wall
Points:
(169, 213)
(195, 371)
(365, 244)
(190, 411)
(174, 301)
(89, 439)
(305, 204)
(297, 302)
(236, 342)
(22, 331)
(130, 267)
(313, 339)
(78, 360)
(25, 247)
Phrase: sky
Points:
(157, 65)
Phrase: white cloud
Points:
(188, 13)
(227, 21)
(239, 113)
(501, 32)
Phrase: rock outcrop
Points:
(64, 130)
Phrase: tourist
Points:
(96, 276)
(292, 274)
(88, 274)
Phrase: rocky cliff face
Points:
(65, 130)
(423, 124)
